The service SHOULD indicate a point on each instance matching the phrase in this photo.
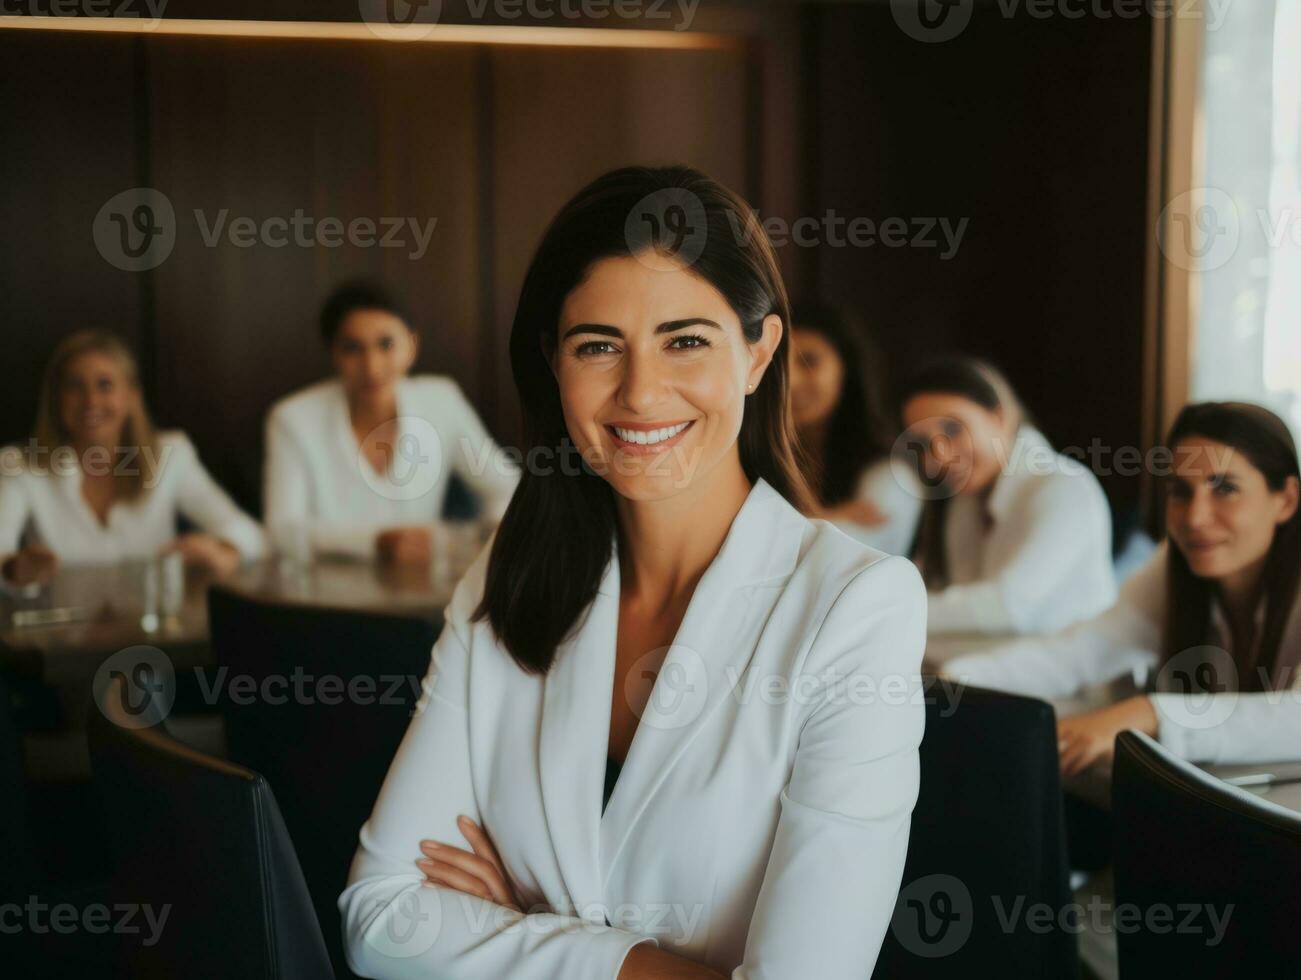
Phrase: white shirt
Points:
(759, 823)
(45, 503)
(1252, 727)
(891, 486)
(318, 480)
(1044, 563)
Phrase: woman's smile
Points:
(645, 438)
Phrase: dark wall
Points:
(1036, 132)
(1033, 131)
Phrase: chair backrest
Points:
(342, 686)
(18, 874)
(201, 855)
(1211, 874)
(986, 889)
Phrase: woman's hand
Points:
(480, 872)
(205, 551)
(33, 564)
(855, 512)
(1087, 739)
(405, 545)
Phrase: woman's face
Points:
(653, 369)
(817, 378)
(372, 351)
(95, 399)
(963, 444)
(1220, 512)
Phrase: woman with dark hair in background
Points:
(1014, 537)
(632, 584)
(358, 465)
(838, 401)
(1217, 606)
(103, 486)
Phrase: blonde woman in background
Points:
(98, 485)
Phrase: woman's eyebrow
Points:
(672, 325)
(604, 329)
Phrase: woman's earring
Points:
(749, 387)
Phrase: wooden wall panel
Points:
(69, 145)
(1036, 132)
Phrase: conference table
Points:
(59, 633)
(54, 638)
(1278, 782)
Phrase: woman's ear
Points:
(413, 349)
(1291, 497)
(763, 349)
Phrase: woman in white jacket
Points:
(664, 621)
(97, 484)
(358, 465)
(1215, 614)
(838, 401)
(1015, 537)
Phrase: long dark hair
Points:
(1264, 439)
(557, 536)
(860, 430)
(978, 382)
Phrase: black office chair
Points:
(201, 841)
(1187, 843)
(325, 755)
(987, 846)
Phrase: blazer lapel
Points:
(709, 654)
(707, 659)
(574, 738)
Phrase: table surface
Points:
(110, 614)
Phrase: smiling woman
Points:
(632, 808)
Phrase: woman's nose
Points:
(1201, 509)
(643, 384)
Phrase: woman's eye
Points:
(589, 348)
(688, 342)
(1223, 488)
(386, 343)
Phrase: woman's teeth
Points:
(648, 437)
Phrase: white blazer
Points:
(1218, 728)
(317, 479)
(759, 823)
(47, 507)
(1043, 563)
(891, 486)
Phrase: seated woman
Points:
(1014, 537)
(359, 464)
(837, 399)
(615, 629)
(1218, 605)
(98, 485)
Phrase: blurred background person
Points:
(98, 485)
(1226, 579)
(359, 464)
(1014, 537)
(838, 401)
